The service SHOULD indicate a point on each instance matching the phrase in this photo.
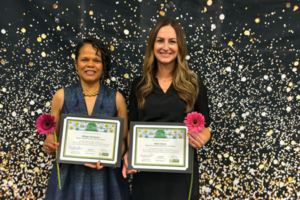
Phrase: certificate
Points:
(159, 147)
(87, 139)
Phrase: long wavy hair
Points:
(105, 54)
(185, 81)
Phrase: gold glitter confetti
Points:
(23, 30)
(36, 169)
(162, 13)
(39, 39)
(2, 61)
(296, 63)
(246, 32)
(251, 76)
(209, 2)
(126, 32)
(112, 48)
(28, 146)
(294, 69)
(43, 54)
(295, 8)
(44, 36)
(58, 28)
(91, 12)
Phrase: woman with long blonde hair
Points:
(167, 92)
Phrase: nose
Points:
(166, 45)
(90, 63)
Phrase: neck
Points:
(90, 87)
(165, 71)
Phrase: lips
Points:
(90, 72)
(165, 54)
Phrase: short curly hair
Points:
(105, 54)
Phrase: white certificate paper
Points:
(159, 147)
(87, 140)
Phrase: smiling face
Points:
(89, 64)
(166, 46)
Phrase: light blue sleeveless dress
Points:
(77, 181)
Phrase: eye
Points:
(159, 41)
(173, 42)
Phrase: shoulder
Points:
(72, 89)
(119, 97)
(108, 89)
(59, 95)
(135, 83)
(73, 86)
(58, 99)
(120, 102)
(137, 80)
(201, 86)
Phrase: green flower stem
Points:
(58, 173)
(191, 185)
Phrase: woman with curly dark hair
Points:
(88, 97)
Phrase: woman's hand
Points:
(97, 166)
(49, 145)
(125, 166)
(197, 140)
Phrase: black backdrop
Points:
(245, 51)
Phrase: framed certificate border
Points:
(79, 134)
(162, 136)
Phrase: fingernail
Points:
(55, 148)
(54, 144)
(99, 161)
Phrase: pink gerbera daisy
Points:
(45, 124)
(195, 122)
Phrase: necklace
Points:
(90, 95)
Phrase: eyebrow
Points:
(164, 38)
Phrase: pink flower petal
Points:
(45, 124)
(195, 122)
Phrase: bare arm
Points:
(122, 113)
(57, 102)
